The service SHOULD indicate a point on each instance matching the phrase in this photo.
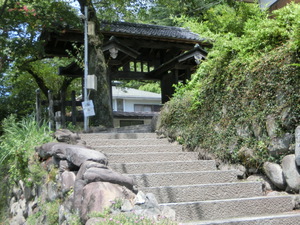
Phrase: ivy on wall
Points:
(251, 73)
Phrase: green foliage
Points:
(17, 147)
(17, 156)
(151, 86)
(249, 73)
(47, 214)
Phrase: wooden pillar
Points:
(63, 108)
(187, 75)
(38, 107)
(110, 88)
(167, 82)
(51, 111)
(74, 111)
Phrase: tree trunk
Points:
(101, 97)
(97, 66)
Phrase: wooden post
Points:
(51, 111)
(167, 82)
(63, 108)
(74, 111)
(38, 107)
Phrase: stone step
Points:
(231, 208)
(92, 136)
(151, 157)
(139, 149)
(184, 178)
(203, 192)
(159, 167)
(126, 142)
(291, 218)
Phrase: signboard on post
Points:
(88, 108)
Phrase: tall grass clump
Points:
(18, 160)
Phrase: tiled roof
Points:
(149, 30)
(130, 93)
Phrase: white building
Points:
(134, 107)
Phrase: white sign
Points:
(88, 108)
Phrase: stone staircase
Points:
(194, 188)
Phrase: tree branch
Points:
(40, 82)
(3, 8)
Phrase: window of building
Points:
(146, 108)
(120, 105)
(124, 123)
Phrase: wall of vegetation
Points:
(251, 76)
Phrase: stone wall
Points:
(78, 183)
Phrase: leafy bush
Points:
(17, 154)
(249, 74)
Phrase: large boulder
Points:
(291, 173)
(106, 175)
(50, 149)
(79, 154)
(267, 184)
(297, 145)
(64, 135)
(97, 196)
(275, 174)
(67, 181)
(281, 145)
(75, 154)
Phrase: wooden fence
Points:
(56, 110)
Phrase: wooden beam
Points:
(114, 43)
(124, 75)
(194, 53)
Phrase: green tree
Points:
(23, 64)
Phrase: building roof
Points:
(149, 30)
(131, 93)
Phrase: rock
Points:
(271, 126)
(75, 154)
(167, 212)
(98, 195)
(64, 135)
(78, 192)
(281, 145)
(257, 129)
(87, 165)
(52, 149)
(67, 181)
(127, 206)
(296, 201)
(151, 200)
(297, 145)
(64, 165)
(275, 174)
(78, 155)
(140, 198)
(241, 170)
(277, 193)
(52, 191)
(291, 173)
(106, 175)
(243, 131)
(245, 153)
(267, 185)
